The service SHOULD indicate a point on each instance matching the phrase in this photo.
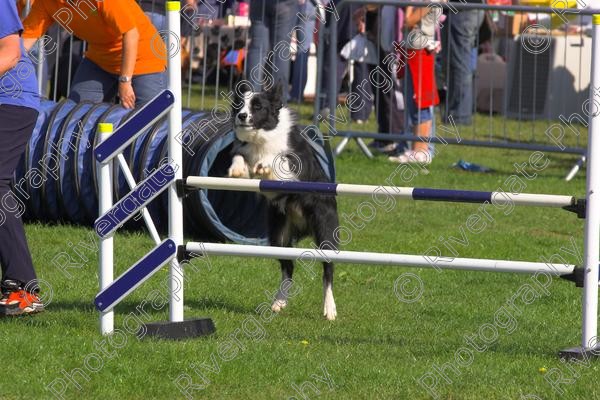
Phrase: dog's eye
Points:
(257, 106)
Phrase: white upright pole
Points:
(176, 157)
(107, 319)
(592, 218)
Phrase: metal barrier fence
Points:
(530, 69)
(529, 88)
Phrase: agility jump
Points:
(174, 251)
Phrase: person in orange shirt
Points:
(125, 56)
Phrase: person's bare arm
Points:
(36, 24)
(28, 43)
(130, 49)
(10, 52)
(413, 15)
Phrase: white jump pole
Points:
(591, 240)
(592, 219)
(409, 193)
(309, 256)
(105, 202)
(176, 157)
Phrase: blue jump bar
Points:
(462, 196)
(135, 276)
(135, 200)
(298, 187)
(134, 126)
(341, 189)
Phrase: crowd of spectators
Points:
(119, 60)
(437, 53)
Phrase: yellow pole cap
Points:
(173, 6)
(596, 19)
(105, 128)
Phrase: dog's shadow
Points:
(210, 303)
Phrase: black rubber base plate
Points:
(178, 330)
(579, 353)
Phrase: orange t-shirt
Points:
(102, 25)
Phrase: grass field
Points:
(378, 348)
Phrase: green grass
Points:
(377, 348)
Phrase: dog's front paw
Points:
(238, 172)
(239, 168)
(263, 170)
(278, 305)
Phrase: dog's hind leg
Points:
(325, 224)
(280, 236)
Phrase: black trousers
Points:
(16, 125)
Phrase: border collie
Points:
(270, 146)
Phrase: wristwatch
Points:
(124, 79)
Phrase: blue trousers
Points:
(92, 83)
(304, 33)
(15, 130)
(272, 22)
(460, 34)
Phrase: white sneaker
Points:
(411, 156)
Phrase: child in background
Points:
(421, 91)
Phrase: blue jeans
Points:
(304, 32)
(272, 22)
(461, 33)
(92, 83)
(158, 20)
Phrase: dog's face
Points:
(258, 114)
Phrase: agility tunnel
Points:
(57, 177)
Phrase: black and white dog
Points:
(271, 147)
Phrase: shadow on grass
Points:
(135, 307)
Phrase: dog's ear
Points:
(239, 92)
(276, 95)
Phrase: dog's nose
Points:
(242, 116)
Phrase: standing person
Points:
(156, 11)
(379, 24)
(19, 102)
(346, 30)
(125, 56)
(460, 33)
(268, 59)
(421, 90)
(304, 36)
